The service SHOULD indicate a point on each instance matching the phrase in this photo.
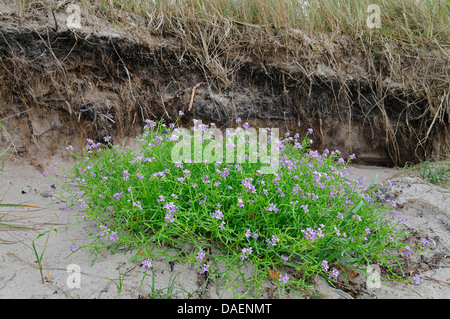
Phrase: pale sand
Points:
(426, 211)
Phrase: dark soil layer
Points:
(59, 86)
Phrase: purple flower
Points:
(222, 225)
(416, 279)
(162, 174)
(246, 252)
(107, 138)
(398, 219)
(310, 130)
(284, 279)
(170, 209)
(138, 205)
(427, 242)
(238, 120)
(240, 202)
(73, 247)
(203, 269)
(205, 179)
(271, 208)
(114, 236)
(296, 189)
(117, 195)
(337, 231)
(325, 265)
(169, 218)
(80, 204)
(103, 230)
(247, 182)
(408, 250)
(273, 241)
(305, 208)
(247, 233)
(312, 234)
(161, 198)
(147, 264)
(44, 173)
(334, 274)
(279, 190)
(180, 113)
(285, 259)
(200, 255)
(70, 148)
(352, 156)
(217, 214)
(150, 122)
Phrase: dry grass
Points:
(414, 22)
(405, 60)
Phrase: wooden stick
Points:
(193, 94)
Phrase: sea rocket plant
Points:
(303, 219)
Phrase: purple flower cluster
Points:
(204, 268)
(91, 145)
(312, 234)
(201, 255)
(246, 252)
(271, 208)
(427, 242)
(248, 234)
(104, 230)
(114, 237)
(147, 264)
(407, 250)
(284, 279)
(247, 182)
(334, 274)
(126, 175)
(161, 174)
(273, 241)
(73, 247)
(416, 279)
(170, 209)
(218, 213)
